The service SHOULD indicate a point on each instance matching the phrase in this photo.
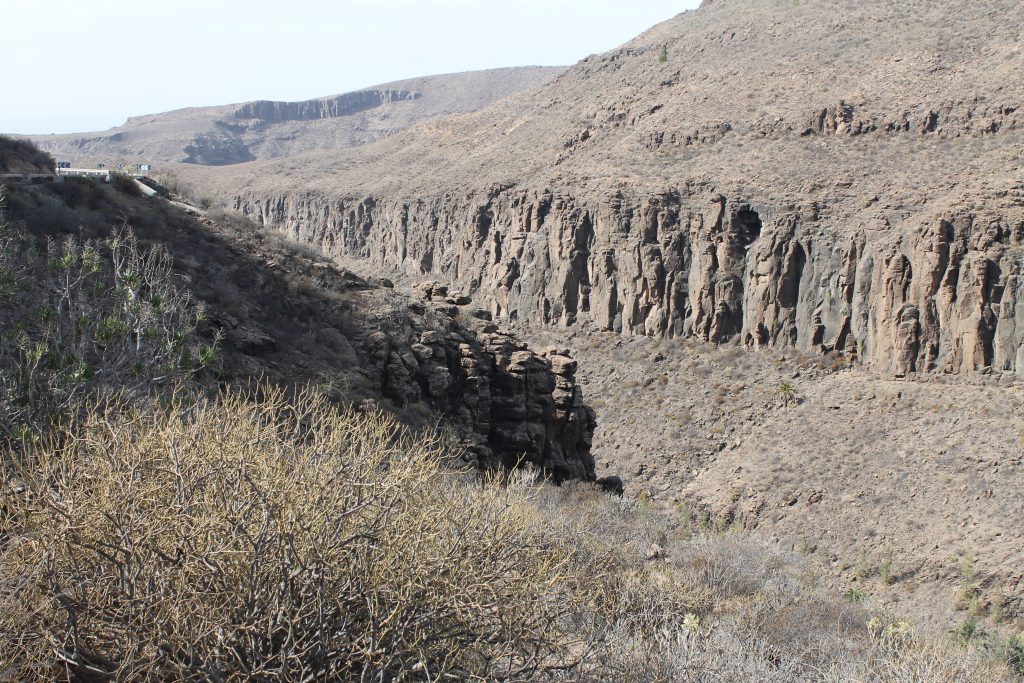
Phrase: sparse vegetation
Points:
(86, 316)
(20, 156)
(885, 571)
(788, 392)
(262, 535)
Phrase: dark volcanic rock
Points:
(517, 406)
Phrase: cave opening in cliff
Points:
(748, 225)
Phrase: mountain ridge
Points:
(237, 133)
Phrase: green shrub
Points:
(788, 392)
(1013, 653)
(970, 631)
(885, 571)
(88, 316)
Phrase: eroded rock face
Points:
(516, 406)
(324, 108)
(941, 294)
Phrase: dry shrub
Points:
(272, 539)
(905, 659)
(730, 607)
(738, 565)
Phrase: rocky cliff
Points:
(286, 315)
(521, 407)
(946, 296)
(435, 354)
(786, 177)
(328, 108)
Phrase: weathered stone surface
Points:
(562, 365)
(512, 405)
(683, 264)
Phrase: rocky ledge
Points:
(517, 406)
(326, 108)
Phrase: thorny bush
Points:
(272, 539)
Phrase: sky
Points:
(87, 65)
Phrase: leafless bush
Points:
(12, 256)
(278, 540)
(738, 565)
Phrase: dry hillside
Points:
(160, 520)
(812, 211)
(808, 179)
(237, 133)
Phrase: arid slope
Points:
(830, 181)
(236, 133)
(835, 184)
(814, 176)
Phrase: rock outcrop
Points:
(945, 295)
(518, 406)
(327, 108)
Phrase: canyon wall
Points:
(328, 108)
(942, 292)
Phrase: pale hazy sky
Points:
(84, 65)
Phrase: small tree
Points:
(10, 264)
